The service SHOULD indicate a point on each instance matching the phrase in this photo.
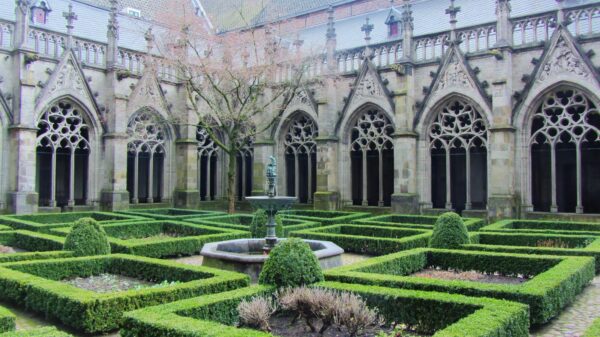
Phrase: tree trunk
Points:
(231, 186)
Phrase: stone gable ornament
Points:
(369, 87)
(455, 75)
(563, 61)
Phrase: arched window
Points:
(372, 158)
(145, 157)
(458, 146)
(207, 164)
(245, 162)
(62, 155)
(301, 158)
(565, 153)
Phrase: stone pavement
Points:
(576, 318)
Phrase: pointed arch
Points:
(298, 150)
(67, 148)
(454, 143)
(559, 147)
(148, 150)
(367, 138)
(209, 157)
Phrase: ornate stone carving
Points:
(300, 136)
(563, 60)
(147, 133)
(372, 131)
(62, 126)
(68, 78)
(300, 98)
(206, 145)
(455, 75)
(458, 125)
(369, 86)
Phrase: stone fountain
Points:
(248, 255)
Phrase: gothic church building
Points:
(486, 107)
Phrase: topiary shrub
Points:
(258, 226)
(291, 264)
(449, 232)
(87, 238)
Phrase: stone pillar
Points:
(262, 151)
(114, 195)
(327, 195)
(186, 192)
(405, 198)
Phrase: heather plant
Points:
(256, 313)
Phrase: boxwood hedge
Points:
(324, 217)
(37, 286)
(41, 332)
(445, 314)
(414, 221)
(371, 240)
(7, 320)
(243, 221)
(170, 213)
(528, 243)
(45, 221)
(593, 330)
(39, 246)
(161, 238)
(555, 280)
(544, 227)
(5, 228)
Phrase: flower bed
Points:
(371, 240)
(324, 217)
(170, 213)
(243, 221)
(161, 238)
(445, 314)
(37, 286)
(554, 282)
(40, 246)
(413, 221)
(537, 244)
(544, 227)
(44, 222)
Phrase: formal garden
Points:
(142, 273)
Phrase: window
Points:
(133, 12)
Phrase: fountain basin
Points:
(246, 255)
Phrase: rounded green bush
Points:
(291, 264)
(258, 226)
(449, 232)
(87, 238)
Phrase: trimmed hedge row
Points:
(7, 320)
(324, 217)
(144, 238)
(445, 314)
(544, 227)
(5, 228)
(45, 221)
(206, 316)
(525, 243)
(41, 332)
(414, 221)
(369, 240)
(593, 330)
(170, 213)
(36, 285)
(555, 282)
(243, 221)
(40, 246)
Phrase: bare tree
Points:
(233, 79)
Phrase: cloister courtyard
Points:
(326, 168)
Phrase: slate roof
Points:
(429, 17)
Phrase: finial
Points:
(562, 16)
(367, 28)
(149, 36)
(453, 11)
(71, 18)
(330, 24)
(113, 23)
(407, 18)
(503, 6)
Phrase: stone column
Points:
(186, 191)
(114, 195)
(327, 195)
